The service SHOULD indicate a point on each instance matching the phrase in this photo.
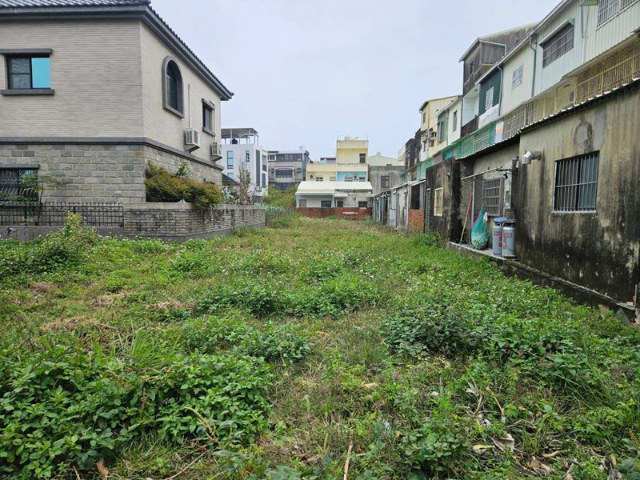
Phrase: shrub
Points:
(431, 328)
(274, 342)
(65, 248)
(162, 186)
(61, 407)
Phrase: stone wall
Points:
(171, 221)
(347, 213)
(165, 221)
(98, 173)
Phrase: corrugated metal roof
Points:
(69, 3)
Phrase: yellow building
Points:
(429, 112)
(351, 150)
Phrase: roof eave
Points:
(142, 12)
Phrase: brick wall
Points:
(347, 213)
(179, 221)
(97, 173)
(416, 221)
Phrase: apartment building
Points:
(115, 89)
(287, 169)
(243, 157)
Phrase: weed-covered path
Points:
(273, 353)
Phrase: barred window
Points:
(518, 74)
(576, 185)
(492, 196)
(18, 184)
(558, 45)
(608, 9)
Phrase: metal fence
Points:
(53, 214)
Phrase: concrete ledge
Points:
(581, 294)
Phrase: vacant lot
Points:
(282, 353)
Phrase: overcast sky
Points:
(306, 71)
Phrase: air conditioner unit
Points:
(191, 139)
(216, 151)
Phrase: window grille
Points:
(576, 184)
(518, 74)
(608, 9)
(438, 202)
(558, 45)
(492, 196)
(284, 173)
(325, 204)
(488, 101)
(19, 184)
(363, 204)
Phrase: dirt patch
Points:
(72, 324)
(110, 300)
(170, 306)
(42, 287)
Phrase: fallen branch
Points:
(346, 464)
(185, 468)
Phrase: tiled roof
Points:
(33, 5)
(69, 3)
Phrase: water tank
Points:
(497, 236)
(509, 239)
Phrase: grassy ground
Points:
(273, 353)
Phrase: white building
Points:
(241, 152)
(333, 195)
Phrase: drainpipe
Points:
(501, 90)
(535, 62)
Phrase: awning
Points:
(341, 195)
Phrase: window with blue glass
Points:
(229, 159)
(29, 73)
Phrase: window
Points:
(576, 185)
(492, 196)
(332, 179)
(18, 184)
(207, 117)
(559, 44)
(230, 159)
(363, 204)
(319, 179)
(488, 100)
(438, 202)
(424, 117)
(384, 181)
(247, 156)
(441, 132)
(455, 120)
(284, 173)
(172, 82)
(325, 203)
(29, 73)
(363, 158)
(340, 203)
(302, 203)
(264, 179)
(516, 78)
(472, 67)
(608, 9)
(348, 179)
(299, 171)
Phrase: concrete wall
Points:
(598, 250)
(168, 221)
(349, 151)
(160, 124)
(96, 74)
(97, 173)
(376, 174)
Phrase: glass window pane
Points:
(20, 65)
(20, 81)
(41, 72)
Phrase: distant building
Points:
(241, 151)
(385, 177)
(288, 168)
(333, 195)
(349, 164)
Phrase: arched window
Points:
(172, 82)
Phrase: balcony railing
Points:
(470, 127)
(613, 71)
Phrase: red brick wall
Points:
(416, 221)
(348, 213)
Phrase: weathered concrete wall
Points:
(98, 173)
(347, 213)
(376, 174)
(445, 175)
(598, 250)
